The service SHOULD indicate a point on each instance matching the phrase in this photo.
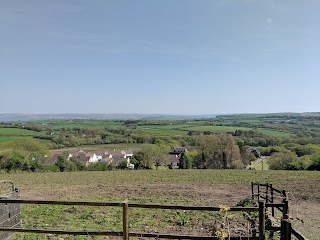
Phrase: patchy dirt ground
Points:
(207, 188)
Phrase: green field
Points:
(183, 129)
(260, 166)
(18, 132)
(222, 129)
(4, 139)
(83, 124)
(163, 130)
(186, 187)
(10, 134)
(274, 133)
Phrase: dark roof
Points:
(179, 150)
(174, 158)
(102, 152)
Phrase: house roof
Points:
(179, 150)
(102, 152)
(174, 158)
(81, 152)
(118, 156)
(89, 154)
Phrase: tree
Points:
(150, 155)
(80, 166)
(283, 161)
(306, 150)
(218, 151)
(61, 163)
(31, 149)
(122, 165)
(15, 159)
(315, 162)
(187, 159)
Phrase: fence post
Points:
(262, 220)
(125, 220)
(267, 192)
(271, 189)
(284, 194)
(285, 228)
(252, 192)
(285, 207)
(258, 192)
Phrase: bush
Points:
(283, 161)
(315, 162)
(99, 166)
(247, 202)
(51, 168)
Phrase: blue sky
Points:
(165, 56)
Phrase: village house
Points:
(110, 157)
(173, 161)
(179, 150)
(118, 156)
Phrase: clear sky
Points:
(165, 56)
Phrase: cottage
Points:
(179, 150)
(174, 161)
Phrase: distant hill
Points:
(8, 117)
(270, 115)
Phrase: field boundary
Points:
(266, 196)
(271, 195)
(125, 219)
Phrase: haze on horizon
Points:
(159, 57)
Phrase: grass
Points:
(4, 139)
(163, 131)
(10, 134)
(186, 187)
(261, 165)
(281, 179)
(274, 133)
(18, 132)
(222, 129)
(85, 124)
(180, 129)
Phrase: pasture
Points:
(10, 134)
(4, 139)
(18, 132)
(82, 124)
(184, 129)
(175, 187)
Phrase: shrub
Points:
(283, 161)
(315, 162)
(51, 168)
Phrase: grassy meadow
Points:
(10, 134)
(266, 126)
(82, 124)
(18, 131)
(180, 187)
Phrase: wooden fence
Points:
(266, 196)
(272, 195)
(9, 213)
(125, 219)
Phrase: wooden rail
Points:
(286, 230)
(265, 192)
(270, 194)
(125, 219)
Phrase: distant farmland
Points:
(9, 134)
(18, 132)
